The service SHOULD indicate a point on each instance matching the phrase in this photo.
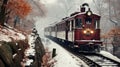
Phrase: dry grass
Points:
(47, 60)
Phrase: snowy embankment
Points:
(12, 46)
(8, 35)
(63, 57)
(29, 51)
(109, 55)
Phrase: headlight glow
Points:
(88, 31)
(92, 32)
(89, 13)
(84, 31)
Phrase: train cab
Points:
(87, 29)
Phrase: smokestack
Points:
(83, 7)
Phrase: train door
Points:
(67, 29)
(78, 29)
(56, 31)
(71, 31)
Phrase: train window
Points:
(97, 24)
(78, 23)
(72, 24)
(68, 25)
(58, 27)
(88, 20)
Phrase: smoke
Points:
(85, 4)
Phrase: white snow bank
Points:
(109, 55)
(63, 57)
(7, 35)
(65, 60)
(28, 62)
(31, 49)
(21, 36)
(29, 52)
(31, 41)
(4, 38)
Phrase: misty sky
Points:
(58, 9)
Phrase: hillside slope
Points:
(12, 46)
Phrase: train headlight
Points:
(88, 31)
(91, 31)
(89, 13)
(84, 31)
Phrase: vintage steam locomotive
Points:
(81, 30)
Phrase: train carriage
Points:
(81, 30)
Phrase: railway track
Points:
(95, 59)
(98, 60)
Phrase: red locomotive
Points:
(81, 30)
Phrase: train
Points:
(80, 30)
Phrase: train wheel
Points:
(75, 49)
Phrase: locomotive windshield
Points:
(78, 23)
(88, 20)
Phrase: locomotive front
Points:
(87, 31)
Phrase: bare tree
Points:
(69, 6)
(99, 6)
(114, 18)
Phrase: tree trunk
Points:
(2, 63)
(2, 13)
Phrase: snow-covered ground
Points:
(29, 51)
(63, 57)
(66, 59)
(8, 35)
(109, 55)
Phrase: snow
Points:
(21, 36)
(4, 38)
(63, 57)
(109, 55)
(30, 50)
(14, 55)
(28, 62)
(31, 41)
(8, 35)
